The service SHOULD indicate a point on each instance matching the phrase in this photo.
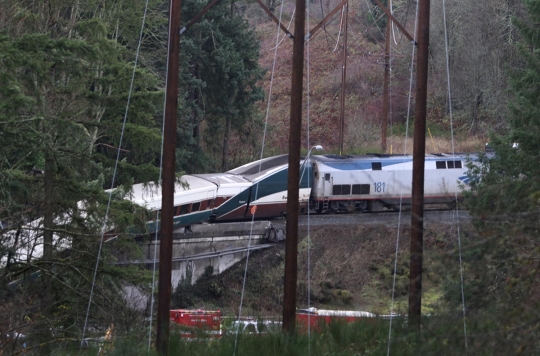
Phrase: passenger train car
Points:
(258, 188)
(328, 183)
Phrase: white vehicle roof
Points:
(149, 195)
(223, 179)
(260, 169)
(351, 313)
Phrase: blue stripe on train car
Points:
(364, 165)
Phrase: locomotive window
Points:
(457, 164)
(450, 164)
(195, 206)
(361, 188)
(327, 176)
(376, 166)
(441, 164)
(340, 189)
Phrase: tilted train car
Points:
(258, 188)
(372, 182)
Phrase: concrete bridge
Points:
(210, 248)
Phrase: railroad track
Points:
(431, 216)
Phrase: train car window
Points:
(336, 190)
(450, 164)
(360, 188)
(441, 164)
(327, 177)
(457, 164)
(184, 209)
(195, 206)
(346, 189)
(376, 166)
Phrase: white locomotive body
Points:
(372, 182)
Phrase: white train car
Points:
(195, 196)
(255, 189)
(373, 182)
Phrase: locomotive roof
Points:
(379, 157)
(383, 161)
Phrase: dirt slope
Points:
(351, 267)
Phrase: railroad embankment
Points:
(350, 267)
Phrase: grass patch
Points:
(439, 335)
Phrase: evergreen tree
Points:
(502, 270)
(65, 69)
(65, 80)
(219, 84)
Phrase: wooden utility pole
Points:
(168, 182)
(291, 243)
(343, 82)
(386, 93)
(419, 153)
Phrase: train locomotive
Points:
(374, 182)
(328, 183)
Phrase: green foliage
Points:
(66, 72)
(503, 281)
(366, 337)
(376, 15)
(219, 84)
(61, 110)
(183, 296)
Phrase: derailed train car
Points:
(258, 188)
(329, 183)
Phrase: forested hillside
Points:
(81, 111)
(482, 48)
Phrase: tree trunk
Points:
(48, 203)
(48, 222)
(225, 160)
(476, 104)
(10, 253)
